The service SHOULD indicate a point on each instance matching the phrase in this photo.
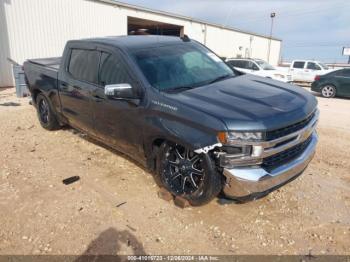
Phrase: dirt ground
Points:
(114, 207)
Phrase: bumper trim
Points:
(245, 181)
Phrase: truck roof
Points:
(133, 42)
(305, 60)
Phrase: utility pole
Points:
(251, 38)
(272, 15)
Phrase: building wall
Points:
(230, 43)
(5, 67)
(40, 28)
(224, 42)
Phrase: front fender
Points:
(197, 138)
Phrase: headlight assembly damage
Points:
(228, 138)
(237, 149)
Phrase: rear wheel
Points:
(328, 91)
(46, 115)
(188, 174)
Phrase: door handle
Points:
(64, 86)
(98, 98)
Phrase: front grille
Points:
(284, 157)
(274, 134)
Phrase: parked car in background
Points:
(258, 67)
(174, 106)
(336, 83)
(306, 70)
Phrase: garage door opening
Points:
(138, 26)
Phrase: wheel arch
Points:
(329, 84)
(35, 92)
(151, 149)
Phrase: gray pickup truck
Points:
(176, 107)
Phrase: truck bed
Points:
(43, 67)
(52, 62)
(42, 74)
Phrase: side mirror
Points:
(119, 91)
(123, 92)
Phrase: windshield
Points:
(325, 67)
(264, 65)
(186, 65)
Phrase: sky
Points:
(309, 29)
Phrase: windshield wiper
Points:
(180, 88)
(221, 78)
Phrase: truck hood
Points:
(249, 102)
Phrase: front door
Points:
(312, 69)
(117, 121)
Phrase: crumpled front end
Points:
(271, 163)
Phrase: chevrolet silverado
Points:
(173, 105)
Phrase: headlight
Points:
(228, 138)
(238, 151)
(278, 75)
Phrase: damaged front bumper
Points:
(242, 182)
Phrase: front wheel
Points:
(328, 91)
(188, 174)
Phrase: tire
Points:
(328, 91)
(46, 115)
(187, 174)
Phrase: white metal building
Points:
(40, 28)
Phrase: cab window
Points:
(112, 70)
(298, 64)
(252, 65)
(244, 64)
(313, 66)
(234, 63)
(83, 65)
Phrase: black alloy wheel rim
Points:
(44, 111)
(183, 170)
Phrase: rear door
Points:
(298, 70)
(75, 86)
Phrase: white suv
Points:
(258, 67)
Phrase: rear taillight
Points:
(317, 78)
